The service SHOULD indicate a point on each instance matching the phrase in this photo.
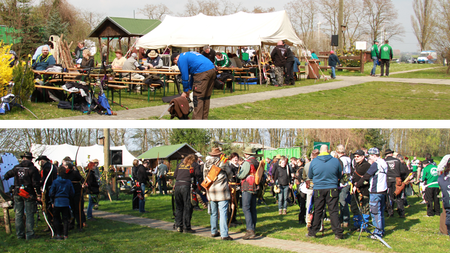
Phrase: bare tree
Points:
(422, 22)
(382, 16)
(155, 11)
(259, 9)
(442, 44)
(210, 8)
(303, 16)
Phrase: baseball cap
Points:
(359, 152)
(373, 151)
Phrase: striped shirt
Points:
(378, 172)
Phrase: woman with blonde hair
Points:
(183, 212)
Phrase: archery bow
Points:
(43, 194)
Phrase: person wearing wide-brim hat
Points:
(154, 60)
(218, 194)
(26, 192)
(249, 190)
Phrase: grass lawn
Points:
(368, 101)
(439, 72)
(111, 236)
(130, 100)
(395, 67)
(416, 233)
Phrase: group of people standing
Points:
(59, 190)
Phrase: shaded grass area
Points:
(416, 233)
(437, 73)
(368, 101)
(131, 100)
(110, 236)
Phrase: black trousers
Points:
(135, 202)
(331, 198)
(65, 212)
(75, 205)
(431, 197)
(183, 210)
(301, 197)
(385, 63)
(392, 199)
(289, 73)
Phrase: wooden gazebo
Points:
(116, 27)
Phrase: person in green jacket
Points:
(430, 178)
(386, 55)
(375, 55)
(222, 60)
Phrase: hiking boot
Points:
(57, 237)
(189, 231)
(179, 229)
(228, 238)
(284, 211)
(215, 235)
(310, 236)
(249, 235)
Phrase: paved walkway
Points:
(294, 246)
(345, 81)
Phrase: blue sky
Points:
(118, 8)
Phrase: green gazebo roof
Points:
(171, 152)
(124, 27)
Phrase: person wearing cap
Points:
(430, 177)
(386, 55)
(361, 196)
(249, 190)
(198, 74)
(394, 180)
(119, 60)
(344, 214)
(376, 175)
(333, 60)
(218, 194)
(374, 53)
(132, 64)
(325, 172)
(48, 174)
(161, 177)
(154, 60)
(209, 53)
(26, 192)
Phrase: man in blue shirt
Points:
(325, 172)
(198, 74)
(44, 60)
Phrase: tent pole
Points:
(259, 64)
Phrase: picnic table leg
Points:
(73, 98)
(148, 93)
(120, 96)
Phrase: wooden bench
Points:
(57, 88)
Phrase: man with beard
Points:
(26, 192)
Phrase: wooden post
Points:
(100, 46)
(107, 50)
(7, 220)
(362, 62)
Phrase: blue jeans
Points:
(375, 63)
(162, 184)
(333, 71)
(27, 206)
(222, 207)
(249, 209)
(282, 197)
(344, 215)
(142, 201)
(90, 206)
(377, 206)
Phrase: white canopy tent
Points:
(84, 155)
(239, 29)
